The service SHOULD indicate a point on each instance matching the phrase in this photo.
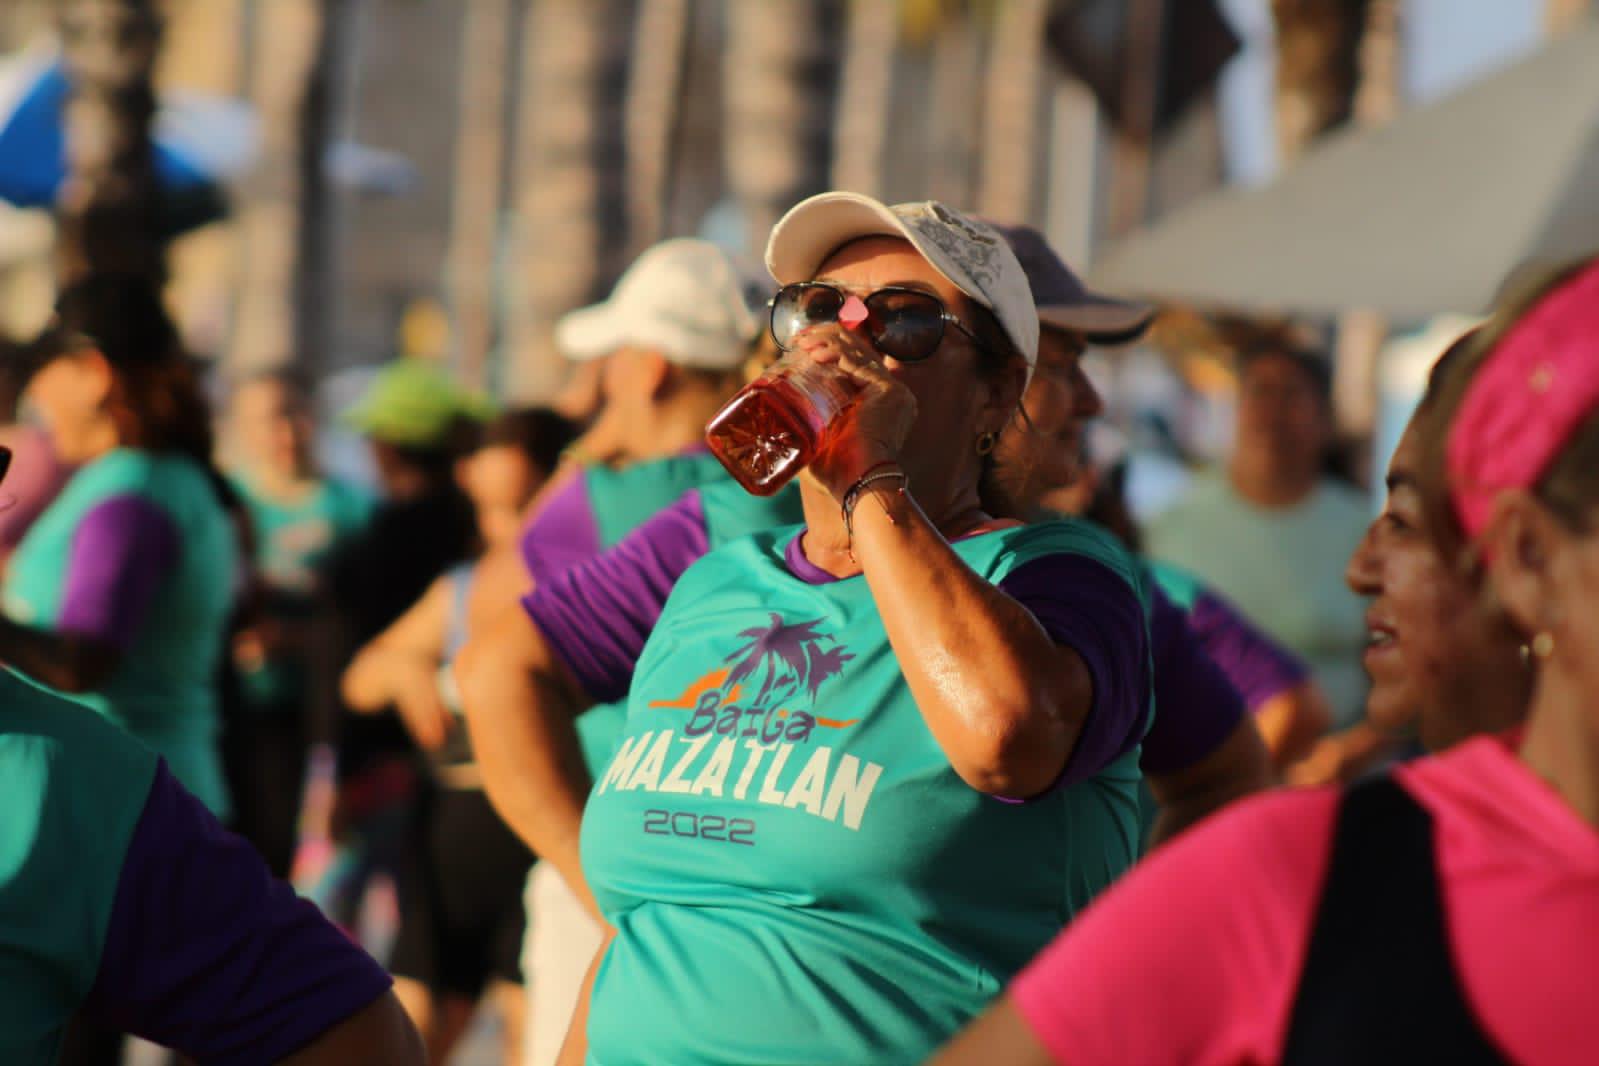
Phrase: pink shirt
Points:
(36, 477)
(1195, 957)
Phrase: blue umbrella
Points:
(199, 141)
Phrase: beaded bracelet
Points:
(852, 496)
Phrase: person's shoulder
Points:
(1213, 926)
(1178, 585)
(65, 741)
(122, 470)
(668, 473)
(731, 512)
(1066, 536)
(1272, 831)
(1263, 858)
(753, 560)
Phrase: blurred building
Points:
(508, 157)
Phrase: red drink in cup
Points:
(775, 426)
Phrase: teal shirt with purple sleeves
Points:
(779, 834)
(598, 506)
(138, 553)
(123, 898)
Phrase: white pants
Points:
(560, 944)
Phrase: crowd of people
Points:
(862, 770)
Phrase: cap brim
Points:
(588, 333)
(815, 228)
(1100, 319)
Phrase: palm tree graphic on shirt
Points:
(791, 657)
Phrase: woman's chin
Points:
(1391, 711)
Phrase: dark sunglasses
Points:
(903, 324)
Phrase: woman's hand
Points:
(873, 429)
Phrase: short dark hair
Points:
(1311, 362)
(995, 347)
(538, 432)
(123, 317)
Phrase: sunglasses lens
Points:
(799, 307)
(906, 326)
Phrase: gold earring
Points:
(986, 442)
(1543, 645)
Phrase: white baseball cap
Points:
(971, 255)
(685, 298)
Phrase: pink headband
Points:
(1526, 400)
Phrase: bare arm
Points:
(399, 668)
(1005, 702)
(1341, 757)
(1292, 722)
(379, 1034)
(999, 1035)
(521, 704)
(575, 1048)
(1240, 766)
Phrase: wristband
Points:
(876, 475)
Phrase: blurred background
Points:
(344, 180)
(327, 187)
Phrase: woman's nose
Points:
(853, 314)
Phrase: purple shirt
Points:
(1258, 666)
(121, 553)
(597, 615)
(564, 534)
(1197, 706)
(207, 953)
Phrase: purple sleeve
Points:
(207, 953)
(563, 534)
(1258, 666)
(1196, 706)
(597, 616)
(121, 552)
(1084, 606)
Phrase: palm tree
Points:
(780, 648)
(654, 116)
(109, 207)
(570, 175)
(1012, 98)
(481, 145)
(821, 665)
(1318, 66)
(865, 94)
(780, 85)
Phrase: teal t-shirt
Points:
(795, 872)
(165, 689)
(75, 788)
(1283, 568)
(292, 543)
(700, 522)
(624, 499)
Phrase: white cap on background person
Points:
(685, 298)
